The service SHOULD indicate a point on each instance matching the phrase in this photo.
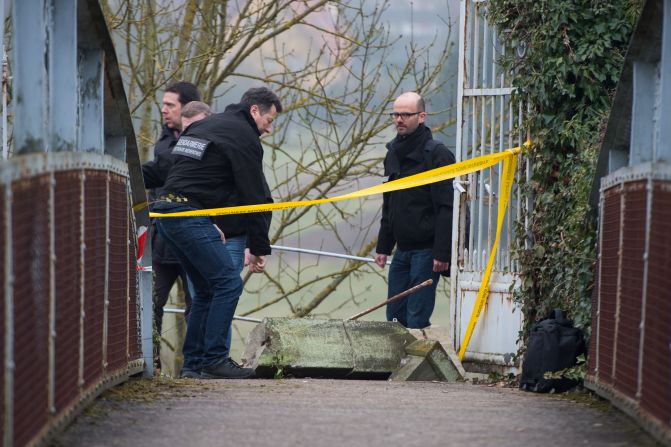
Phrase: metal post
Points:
(8, 426)
(146, 326)
(106, 299)
(51, 389)
(30, 86)
(620, 261)
(63, 76)
(602, 204)
(644, 298)
(91, 111)
(82, 276)
(663, 143)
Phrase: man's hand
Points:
(257, 263)
(380, 260)
(247, 257)
(439, 266)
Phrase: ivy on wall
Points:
(567, 73)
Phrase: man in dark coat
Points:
(218, 163)
(418, 221)
(165, 267)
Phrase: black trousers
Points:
(164, 276)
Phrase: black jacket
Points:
(421, 217)
(154, 172)
(219, 163)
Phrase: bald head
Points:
(411, 98)
(408, 113)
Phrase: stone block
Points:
(302, 347)
(305, 347)
(426, 360)
(441, 335)
(414, 368)
(377, 347)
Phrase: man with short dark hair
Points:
(218, 163)
(165, 266)
(237, 237)
(418, 221)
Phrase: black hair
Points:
(185, 91)
(262, 97)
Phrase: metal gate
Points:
(487, 123)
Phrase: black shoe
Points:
(190, 374)
(227, 369)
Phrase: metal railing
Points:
(69, 312)
(630, 343)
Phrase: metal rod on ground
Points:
(428, 282)
(323, 253)
(175, 310)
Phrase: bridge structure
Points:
(630, 348)
(70, 290)
(75, 306)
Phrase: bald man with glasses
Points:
(416, 221)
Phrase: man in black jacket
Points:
(165, 266)
(218, 163)
(417, 220)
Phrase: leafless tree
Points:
(332, 63)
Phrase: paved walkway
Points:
(331, 413)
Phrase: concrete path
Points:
(345, 413)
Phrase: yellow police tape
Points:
(509, 158)
(505, 188)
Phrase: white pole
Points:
(176, 310)
(323, 253)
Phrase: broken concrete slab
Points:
(441, 335)
(298, 346)
(436, 354)
(305, 347)
(426, 360)
(414, 368)
(377, 347)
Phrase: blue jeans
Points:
(215, 279)
(236, 248)
(409, 268)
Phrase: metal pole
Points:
(323, 253)
(175, 310)
(8, 377)
(308, 251)
(146, 317)
(428, 282)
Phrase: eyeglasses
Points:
(404, 115)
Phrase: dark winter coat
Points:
(161, 163)
(420, 217)
(219, 163)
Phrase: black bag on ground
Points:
(554, 344)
